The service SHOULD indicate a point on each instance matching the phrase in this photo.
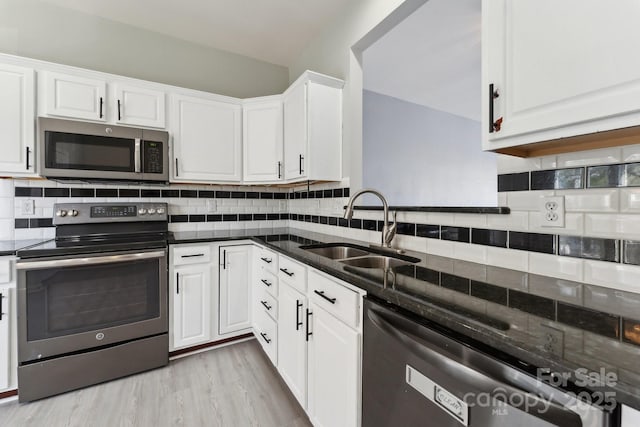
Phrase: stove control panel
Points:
(85, 213)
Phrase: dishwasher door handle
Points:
(526, 402)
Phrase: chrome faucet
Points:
(388, 232)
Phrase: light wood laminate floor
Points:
(232, 386)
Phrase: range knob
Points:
(61, 213)
(152, 211)
(73, 212)
(160, 211)
(142, 211)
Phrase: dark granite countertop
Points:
(10, 247)
(506, 311)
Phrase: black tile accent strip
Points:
(533, 304)
(456, 234)
(267, 196)
(428, 275)
(171, 193)
(149, 193)
(192, 194)
(532, 242)
(40, 222)
(245, 217)
(631, 251)
(589, 248)
(206, 194)
(428, 230)
(457, 283)
(273, 217)
(513, 182)
(179, 218)
(489, 292)
(631, 331)
(84, 192)
(259, 217)
(125, 192)
(223, 195)
(406, 228)
(21, 223)
(589, 320)
(252, 195)
(196, 218)
(355, 223)
(369, 224)
(214, 218)
(238, 195)
(106, 192)
(28, 192)
(605, 176)
(557, 179)
(280, 196)
(229, 217)
(486, 237)
(56, 192)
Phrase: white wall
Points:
(418, 156)
(43, 31)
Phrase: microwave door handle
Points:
(137, 155)
(413, 342)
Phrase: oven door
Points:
(71, 304)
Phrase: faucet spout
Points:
(388, 232)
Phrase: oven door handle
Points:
(110, 259)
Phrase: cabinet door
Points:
(630, 417)
(5, 337)
(334, 371)
(556, 64)
(235, 292)
(76, 97)
(139, 106)
(207, 141)
(292, 344)
(262, 141)
(191, 305)
(295, 132)
(17, 119)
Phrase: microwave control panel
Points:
(153, 162)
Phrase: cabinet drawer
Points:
(267, 260)
(183, 255)
(266, 302)
(267, 335)
(293, 273)
(335, 298)
(268, 281)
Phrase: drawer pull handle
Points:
(267, 260)
(267, 306)
(191, 256)
(264, 337)
(266, 282)
(321, 293)
(287, 272)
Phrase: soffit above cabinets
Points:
(273, 31)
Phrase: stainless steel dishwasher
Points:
(414, 375)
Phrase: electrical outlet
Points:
(553, 340)
(211, 205)
(28, 207)
(552, 211)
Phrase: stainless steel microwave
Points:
(92, 151)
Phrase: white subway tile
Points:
(470, 220)
(613, 225)
(591, 157)
(28, 233)
(526, 200)
(469, 252)
(512, 164)
(440, 247)
(606, 200)
(556, 266)
(502, 199)
(6, 207)
(631, 153)
(611, 275)
(549, 162)
(630, 200)
(573, 224)
(6, 229)
(516, 220)
(6, 188)
(508, 258)
(410, 243)
(440, 218)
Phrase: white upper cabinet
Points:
(558, 69)
(262, 140)
(139, 106)
(313, 128)
(17, 119)
(207, 140)
(75, 97)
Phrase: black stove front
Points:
(92, 303)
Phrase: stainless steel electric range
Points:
(92, 304)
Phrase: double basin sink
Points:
(360, 256)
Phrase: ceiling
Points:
(431, 58)
(270, 30)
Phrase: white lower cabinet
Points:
(292, 340)
(630, 417)
(235, 289)
(8, 326)
(334, 371)
(191, 294)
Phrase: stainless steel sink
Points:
(375, 261)
(359, 256)
(338, 252)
